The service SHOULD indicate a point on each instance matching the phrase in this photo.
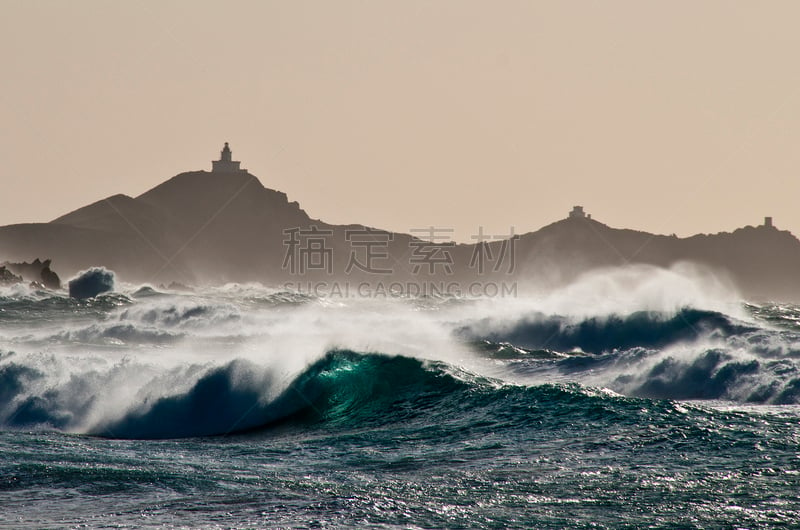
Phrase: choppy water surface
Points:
(248, 406)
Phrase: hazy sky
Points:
(673, 116)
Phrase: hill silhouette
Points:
(762, 261)
(224, 226)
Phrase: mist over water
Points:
(630, 388)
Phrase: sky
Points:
(672, 117)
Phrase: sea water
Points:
(622, 405)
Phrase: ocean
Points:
(627, 400)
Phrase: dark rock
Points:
(36, 271)
(7, 277)
(50, 279)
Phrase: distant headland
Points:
(223, 226)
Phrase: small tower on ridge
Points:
(577, 212)
(226, 164)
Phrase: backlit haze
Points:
(668, 117)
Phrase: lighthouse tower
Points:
(225, 164)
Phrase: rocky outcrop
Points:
(7, 277)
(37, 272)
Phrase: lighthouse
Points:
(225, 164)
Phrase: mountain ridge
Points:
(215, 227)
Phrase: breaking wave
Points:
(155, 363)
(344, 388)
(610, 332)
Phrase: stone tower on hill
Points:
(225, 164)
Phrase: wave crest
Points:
(607, 333)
